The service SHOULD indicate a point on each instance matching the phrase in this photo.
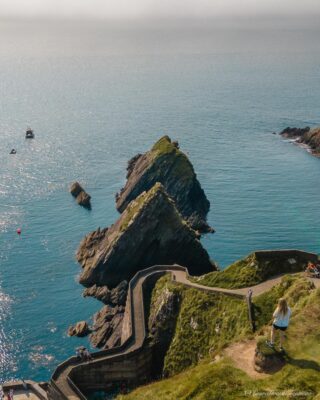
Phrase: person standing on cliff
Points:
(280, 323)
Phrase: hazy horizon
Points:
(126, 9)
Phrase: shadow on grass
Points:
(304, 364)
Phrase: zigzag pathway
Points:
(61, 381)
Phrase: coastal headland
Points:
(308, 137)
(170, 317)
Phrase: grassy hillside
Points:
(254, 269)
(207, 321)
(222, 381)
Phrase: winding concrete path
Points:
(61, 384)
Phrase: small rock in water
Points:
(82, 197)
(76, 189)
(80, 329)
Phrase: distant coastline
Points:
(306, 138)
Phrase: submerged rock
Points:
(82, 197)
(166, 164)
(80, 329)
(150, 231)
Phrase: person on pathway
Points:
(87, 355)
(313, 270)
(280, 323)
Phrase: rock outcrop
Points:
(161, 326)
(293, 133)
(116, 296)
(107, 327)
(306, 136)
(150, 231)
(80, 329)
(166, 164)
(82, 197)
(108, 321)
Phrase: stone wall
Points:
(299, 255)
(132, 368)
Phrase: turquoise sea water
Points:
(94, 100)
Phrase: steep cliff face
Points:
(150, 231)
(164, 311)
(166, 164)
(307, 136)
(107, 327)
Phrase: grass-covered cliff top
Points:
(137, 204)
(207, 321)
(182, 167)
(254, 269)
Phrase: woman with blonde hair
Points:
(280, 323)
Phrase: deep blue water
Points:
(94, 102)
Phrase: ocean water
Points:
(95, 96)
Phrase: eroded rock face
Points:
(107, 327)
(116, 296)
(82, 197)
(80, 329)
(161, 326)
(166, 164)
(89, 245)
(162, 321)
(150, 231)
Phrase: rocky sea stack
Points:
(306, 136)
(167, 164)
(163, 212)
(150, 231)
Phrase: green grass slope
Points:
(254, 269)
(207, 321)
